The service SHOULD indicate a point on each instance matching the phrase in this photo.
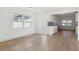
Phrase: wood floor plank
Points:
(62, 41)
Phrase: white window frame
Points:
(66, 22)
(21, 19)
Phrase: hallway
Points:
(62, 41)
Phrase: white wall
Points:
(56, 20)
(41, 23)
(6, 30)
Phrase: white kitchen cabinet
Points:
(52, 30)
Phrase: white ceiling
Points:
(47, 9)
(37, 9)
(44, 9)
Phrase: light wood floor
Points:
(61, 41)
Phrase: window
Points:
(63, 22)
(21, 21)
(27, 21)
(66, 22)
(69, 23)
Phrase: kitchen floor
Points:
(64, 40)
